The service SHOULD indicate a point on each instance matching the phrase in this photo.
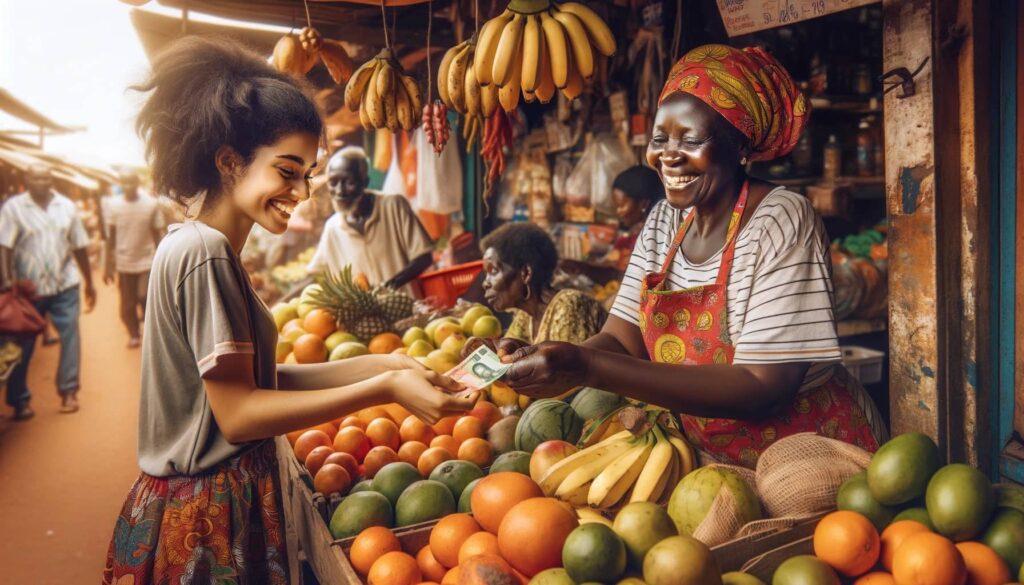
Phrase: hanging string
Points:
(476, 15)
(309, 21)
(430, 70)
(384, 20)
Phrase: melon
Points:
(591, 403)
(547, 420)
(712, 503)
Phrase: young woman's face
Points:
(503, 286)
(276, 181)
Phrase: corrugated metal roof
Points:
(23, 111)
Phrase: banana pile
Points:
(536, 47)
(634, 465)
(299, 56)
(10, 355)
(384, 95)
(458, 86)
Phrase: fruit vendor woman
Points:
(379, 235)
(725, 314)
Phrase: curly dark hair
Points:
(521, 244)
(207, 93)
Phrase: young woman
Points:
(236, 141)
(725, 311)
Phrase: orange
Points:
(487, 412)
(294, 324)
(383, 432)
(378, 457)
(429, 566)
(308, 441)
(309, 349)
(894, 535)
(316, 458)
(395, 568)
(396, 411)
(413, 429)
(345, 460)
(481, 543)
(431, 458)
(446, 442)
(332, 479)
(446, 425)
(848, 542)
(494, 495)
(876, 578)
(383, 343)
(370, 545)
(328, 427)
(448, 536)
(984, 565)
(468, 427)
(352, 421)
(410, 452)
(533, 533)
(477, 450)
(368, 414)
(927, 558)
(487, 570)
(451, 577)
(352, 440)
(320, 322)
(294, 435)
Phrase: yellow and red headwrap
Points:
(750, 89)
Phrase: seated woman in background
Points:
(636, 190)
(519, 262)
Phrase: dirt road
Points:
(63, 477)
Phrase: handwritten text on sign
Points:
(746, 16)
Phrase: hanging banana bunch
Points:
(536, 47)
(299, 56)
(458, 86)
(384, 95)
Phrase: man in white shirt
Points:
(134, 228)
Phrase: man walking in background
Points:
(41, 240)
(134, 228)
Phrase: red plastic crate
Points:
(445, 286)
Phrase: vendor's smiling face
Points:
(695, 151)
(346, 181)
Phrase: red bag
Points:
(18, 316)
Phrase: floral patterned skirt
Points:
(222, 527)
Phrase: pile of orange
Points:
(363, 443)
(906, 553)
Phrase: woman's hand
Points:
(547, 369)
(504, 346)
(417, 390)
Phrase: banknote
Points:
(479, 369)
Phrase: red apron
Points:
(690, 327)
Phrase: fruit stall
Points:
(538, 107)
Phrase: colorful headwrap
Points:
(750, 89)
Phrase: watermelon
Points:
(546, 420)
(591, 403)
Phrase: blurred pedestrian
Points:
(41, 240)
(134, 228)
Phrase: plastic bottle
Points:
(833, 160)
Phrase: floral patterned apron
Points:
(690, 327)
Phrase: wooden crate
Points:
(737, 554)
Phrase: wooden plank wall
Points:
(1018, 419)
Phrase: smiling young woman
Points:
(235, 141)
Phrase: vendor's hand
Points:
(108, 277)
(504, 346)
(90, 297)
(428, 395)
(547, 369)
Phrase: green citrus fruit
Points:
(393, 478)
(854, 495)
(681, 560)
(552, 577)
(456, 475)
(359, 511)
(1005, 535)
(423, 501)
(737, 578)
(804, 570)
(900, 470)
(918, 514)
(593, 552)
(959, 501)
(642, 525)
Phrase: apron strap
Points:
(730, 239)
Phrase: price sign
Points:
(746, 16)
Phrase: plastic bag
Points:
(590, 183)
(18, 315)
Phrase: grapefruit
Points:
(423, 501)
(642, 525)
(855, 495)
(681, 560)
(805, 570)
(533, 532)
(901, 469)
(960, 501)
(893, 536)
(448, 536)
(493, 496)
(359, 511)
(394, 478)
(1005, 535)
(456, 475)
(593, 552)
(927, 558)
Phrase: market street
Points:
(64, 477)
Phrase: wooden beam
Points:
(1018, 418)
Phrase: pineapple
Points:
(342, 297)
(369, 327)
(394, 305)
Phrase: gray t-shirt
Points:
(201, 307)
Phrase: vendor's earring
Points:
(529, 292)
(743, 161)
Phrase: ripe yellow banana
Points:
(655, 470)
(487, 46)
(473, 93)
(509, 51)
(615, 480)
(442, 74)
(457, 78)
(545, 82)
(558, 51)
(592, 466)
(582, 54)
(577, 498)
(374, 105)
(532, 48)
(600, 34)
(488, 100)
(412, 88)
(508, 94)
(587, 515)
(559, 471)
(364, 116)
(385, 78)
(670, 480)
(356, 86)
(686, 455)
(391, 109)
(403, 107)
(574, 86)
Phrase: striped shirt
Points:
(43, 241)
(779, 298)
